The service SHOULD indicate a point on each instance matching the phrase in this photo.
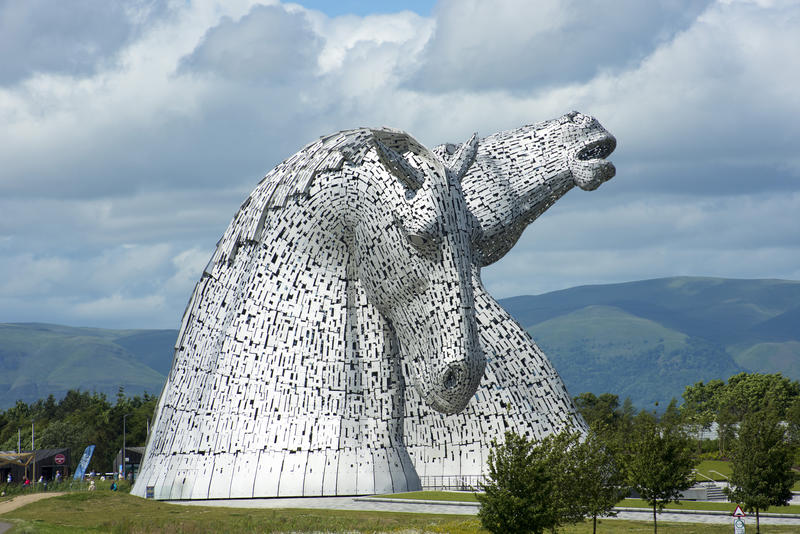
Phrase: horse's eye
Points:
(418, 241)
(425, 244)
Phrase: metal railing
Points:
(451, 482)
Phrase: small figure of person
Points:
(58, 477)
(114, 486)
(41, 479)
(26, 483)
(92, 486)
(9, 478)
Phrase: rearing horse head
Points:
(518, 174)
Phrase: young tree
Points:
(589, 482)
(659, 462)
(518, 497)
(761, 465)
(602, 482)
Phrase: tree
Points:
(518, 497)
(589, 481)
(659, 462)
(603, 482)
(65, 433)
(598, 410)
(761, 465)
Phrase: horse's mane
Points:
(292, 179)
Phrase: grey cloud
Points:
(606, 237)
(520, 45)
(268, 45)
(73, 38)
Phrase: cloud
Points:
(122, 167)
(522, 46)
(71, 38)
(269, 45)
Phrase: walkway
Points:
(469, 508)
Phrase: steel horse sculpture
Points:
(351, 272)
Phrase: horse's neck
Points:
(280, 338)
(506, 192)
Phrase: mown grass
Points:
(713, 469)
(105, 511)
(120, 513)
(453, 496)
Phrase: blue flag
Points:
(87, 456)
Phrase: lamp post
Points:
(124, 445)
(33, 448)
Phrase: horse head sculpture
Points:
(352, 270)
(412, 249)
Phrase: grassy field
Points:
(455, 496)
(719, 469)
(121, 513)
(713, 469)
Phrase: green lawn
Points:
(121, 513)
(713, 469)
(458, 496)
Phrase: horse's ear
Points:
(397, 164)
(460, 161)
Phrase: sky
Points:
(131, 131)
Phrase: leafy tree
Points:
(602, 410)
(65, 433)
(518, 497)
(563, 460)
(589, 482)
(659, 462)
(761, 465)
(672, 416)
(79, 419)
(729, 403)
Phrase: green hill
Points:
(37, 360)
(649, 339)
(646, 339)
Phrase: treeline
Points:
(79, 419)
(533, 487)
(728, 404)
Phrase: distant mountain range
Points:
(645, 340)
(37, 360)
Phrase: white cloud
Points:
(155, 140)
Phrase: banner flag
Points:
(84, 463)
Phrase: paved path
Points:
(467, 508)
(345, 503)
(22, 500)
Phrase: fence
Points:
(451, 482)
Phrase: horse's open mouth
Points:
(599, 149)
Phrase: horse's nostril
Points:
(451, 379)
